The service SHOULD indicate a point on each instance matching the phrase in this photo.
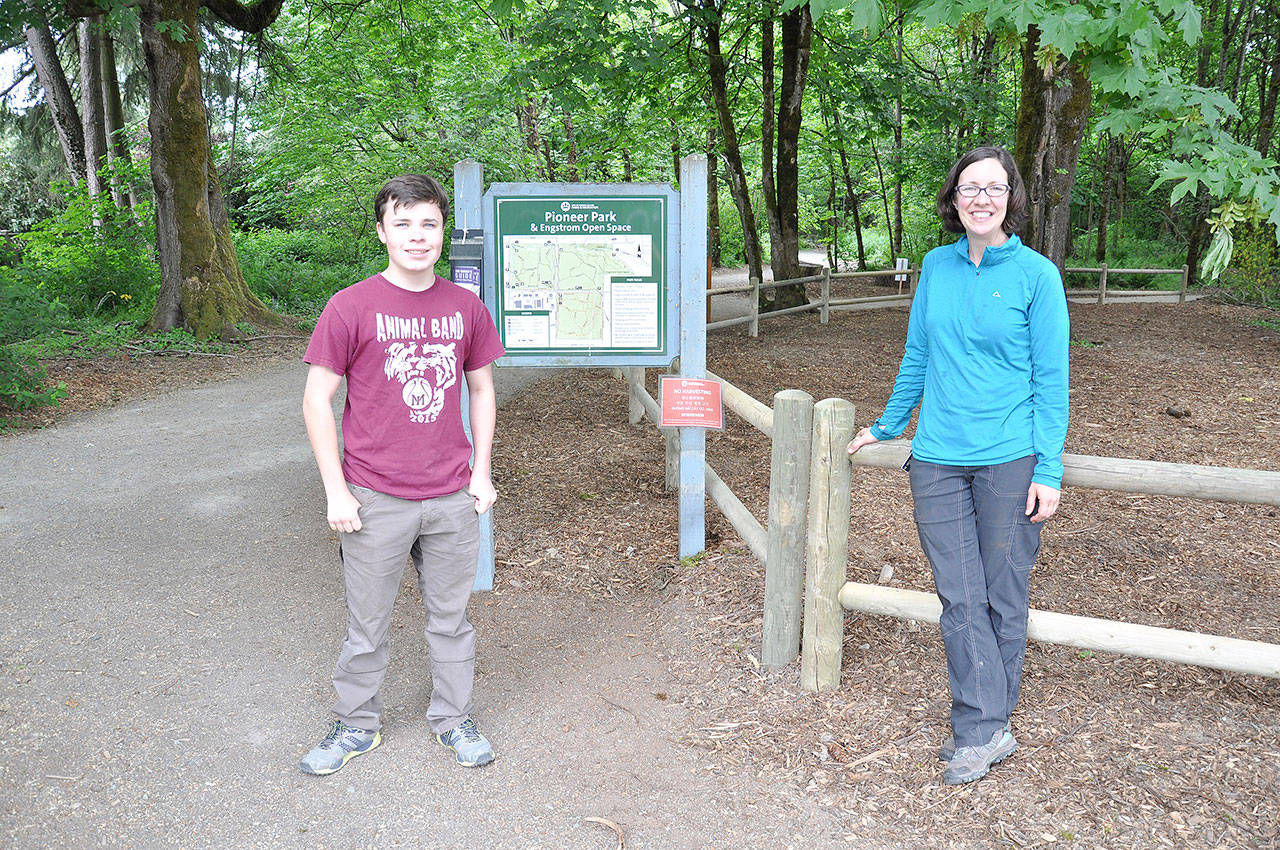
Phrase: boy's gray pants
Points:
(442, 536)
(981, 547)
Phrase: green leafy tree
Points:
(1072, 49)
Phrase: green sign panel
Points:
(581, 275)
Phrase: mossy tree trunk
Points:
(201, 287)
(1053, 114)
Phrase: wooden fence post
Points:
(828, 550)
(1182, 291)
(634, 376)
(826, 294)
(754, 328)
(1102, 285)
(788, 513)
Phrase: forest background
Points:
(186, 173)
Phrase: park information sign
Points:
(581, 274)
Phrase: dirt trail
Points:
(172, 606)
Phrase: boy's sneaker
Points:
(469, 747)
(948, 749)
(970, 763)
(339, 745)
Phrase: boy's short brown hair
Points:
(409, 189)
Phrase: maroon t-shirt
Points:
(404, 354)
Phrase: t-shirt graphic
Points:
(425, 376)
(404, 355)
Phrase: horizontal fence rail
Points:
(825, 303)
(1211, 483)
(757, 413)
(1201, 650)
(1104, 271)
(827, 580)
(780, 547)
(753, 533)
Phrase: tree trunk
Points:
(1123, 154)
(713, 197)
(57, 93)
(853, 200)
(985, 79)
(1269, 86)
(1052, 115)
(1215, 39)
(768, 141)
(235, 108)
(675, 151)
(895, 235)
(1104, 212)
(546, 155)
(201, 287)
(797, 34)
(527, 118)
(92, 113)
(571, 141)
(884, 190)
(117, 141)
(735, 173)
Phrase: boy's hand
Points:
(344, 512)
(482, 488)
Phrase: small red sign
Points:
(690, 403)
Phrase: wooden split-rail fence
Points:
(825, 303)
(803, 545)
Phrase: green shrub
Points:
(296, 271)
(1253, 275)
(875, 244)
(22, 383)
(89, 267)
(732, 250)
(25, 312)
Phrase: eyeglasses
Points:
(995, 190)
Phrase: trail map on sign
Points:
(579, 290)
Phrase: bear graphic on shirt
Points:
(425, 375)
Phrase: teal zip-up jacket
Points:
(986, 360)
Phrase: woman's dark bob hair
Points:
(1016, 214)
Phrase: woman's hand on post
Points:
(862, 438)
(1043, 500)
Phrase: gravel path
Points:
(172, 606)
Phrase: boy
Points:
(404, 340)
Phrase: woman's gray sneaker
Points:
(948, 749)
(338, 746)
(469, 747)
(970, 763)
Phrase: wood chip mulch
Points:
(1115, 751)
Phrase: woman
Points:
(986, 360)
